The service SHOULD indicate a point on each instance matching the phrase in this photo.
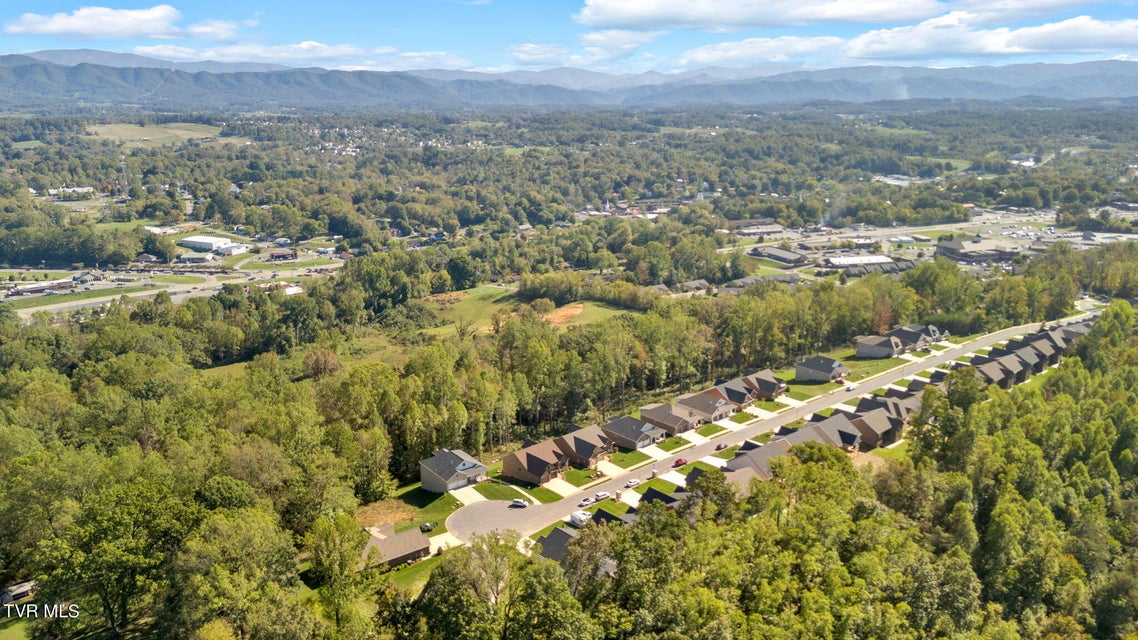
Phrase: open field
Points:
(151, 136)
(24, 277)
(176, 279)
(474, 306)
(414, 577)
(129, 224)
(583, 313)
(411, 507)
(257, 265)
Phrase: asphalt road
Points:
(491, 515)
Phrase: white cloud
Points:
(954, 34)
(757, 51)
(532, 53)
(730, 15)
(613, 44)
(338, 56)
(101, 22)
(213, 30)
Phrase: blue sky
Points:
(606, 35)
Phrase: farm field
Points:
(151, 136)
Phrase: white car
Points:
(602, 495)
(586, 502)
(520, 503)
(632, 483)
(851, 387)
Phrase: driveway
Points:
(560, 487)
(467, 495)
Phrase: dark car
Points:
(427, 526)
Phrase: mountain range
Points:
(64, 81)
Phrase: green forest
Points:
(193, 469)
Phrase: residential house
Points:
(1019, 369)
(450, 469)
(18, 591)
(384, 546)
(993, 373)
(766, 385)
(910, 337)
(536, 463)
(838, 431)
(878, 346)
(736, 391)
(630, 433)
(670, 500)
(695, 286)
(878, 428)
(709, 407)
(819, 369)
(601, 516)
(585, 446)
(671, 418)
(555, 544)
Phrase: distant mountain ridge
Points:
(83, 80)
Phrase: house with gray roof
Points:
(838, 431)
(538, 463)
(736, 391)
(555, 544)
(384, 546)
(878, 346)
(819, 369)
(630, 433)
(709, 407)
(766, 385)
(671, 418)
(450, 469)
(585, 446)
(878, 428)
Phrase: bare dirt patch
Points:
(564, 315)
(384, 512)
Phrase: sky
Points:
(617, 36)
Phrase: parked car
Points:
(851, 386)
(721, 446)
(632, 483)
(680, 462)
(602, 495)
(585, 502)
(427, 526)
(519, 503)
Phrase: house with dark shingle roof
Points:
(709, 407)
(766, 384)
(737, 392)
(630, 433)
(878, 428)
(555, 544)
(910, 338)
(819, 369)
(671, 418)
(450, 469)
(993, 373)
(878, 346)
(585, 446)
(384, 546)
(537, 463)
(838, 431)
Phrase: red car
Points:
(680, 462)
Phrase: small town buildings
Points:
(450, 469)
(976, 250)
(878, 346)
(145, 258)
(709, 407)
(233, 249)
(194, 257)
(537, 463)
(282, 254)
(672, 418)
(695, 286)
(585, 446)
(205, 243)
(630, 433)
(18, 591)
(788, 257)
(819, 369)
(384, 546)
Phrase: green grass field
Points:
(687, 468)
(660, 485)
(23, 146)
(899, 452)
(14, 277)
(629, 459)
(581, 477)
(13, 629)
(710, 430)
(151, 136)
(741, 417)
(727, 453)
(862, 369)
(615, 507)
(542, 494)
(769, 405)
(129, 224)
(414, 577)
(41, 301)
(429, 507)
(673, 443)
(474, 306)
(176, 279)
(595, 312)
(495, 491)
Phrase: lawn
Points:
(590, 312)
(226, 370)
(673, 443)
(40, 301)
(156, 135)
(581, 477)
(285, 264)
(21, 277)
(727, 453)
(862, 369)
(23, 145)
(963, 339)
(175, 279)
(769, 406)
(803, 391)
(13, 628)
(495, 491)
(414, 577)
(687, 468)
(660, 485)
(899, 452)
(425, 506)
(741, 417)
(549, 529)
(764, 437)
(710, 430)
(629, 459)
(826, 413)
(615, 507)
(541, 493)
(128, 225)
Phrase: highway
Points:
(490, 515)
